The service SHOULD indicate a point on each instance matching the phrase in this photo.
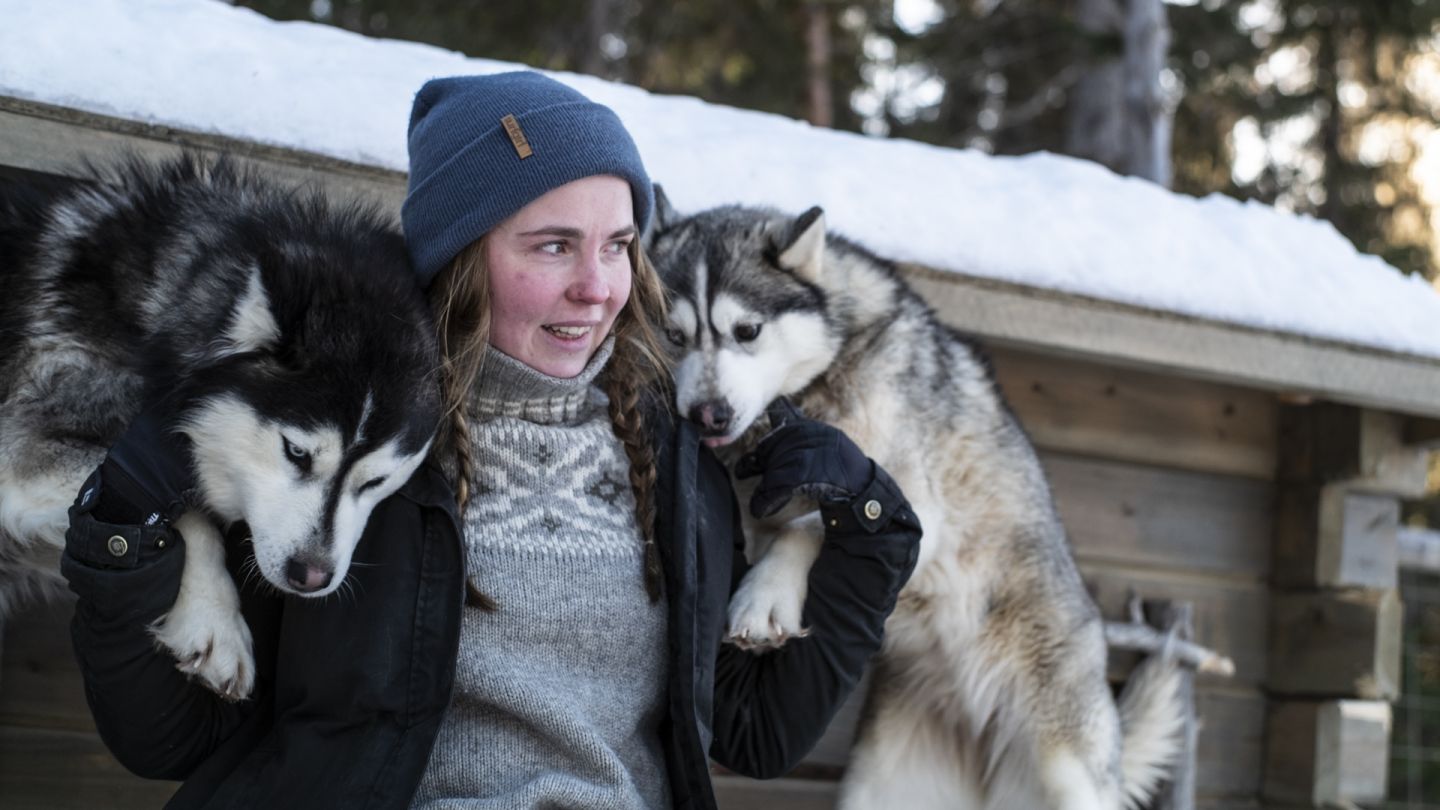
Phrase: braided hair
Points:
(638, 373)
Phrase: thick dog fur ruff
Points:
(990, 690)
(291, 337)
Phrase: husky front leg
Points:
(766, 609)
(205, 630)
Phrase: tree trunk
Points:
(817, 48)
(598, 22)
(1327, 81)
(1148, 121)
(1117, 112)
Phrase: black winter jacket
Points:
(350, 690)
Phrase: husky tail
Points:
(1152, 720)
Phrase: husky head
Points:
(316, 396)
(750, 316)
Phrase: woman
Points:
(540, 620)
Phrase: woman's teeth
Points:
(569, 332)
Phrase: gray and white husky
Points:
(291, 337)
(990, 689)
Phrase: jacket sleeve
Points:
(154, 720)
(771, 709)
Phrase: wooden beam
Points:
(1421, 432)
(1364, 449)
(1419, 549)
(60, 141)
(1328, 536)
(1071, 325)
(1336, 643)
(1327, 753)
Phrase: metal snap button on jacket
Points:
(117, 545)
(872, 509)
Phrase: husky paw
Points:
(765, 611)
(211, 643)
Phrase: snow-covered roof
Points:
(1042, 221)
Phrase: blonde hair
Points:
(637, 378)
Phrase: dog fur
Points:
(290, 336)
(990, 689)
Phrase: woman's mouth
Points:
(569, 333)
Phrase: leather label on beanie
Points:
(517, 136)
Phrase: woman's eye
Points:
(675, 336)
(619, 248)
(296, 455)
(747, 332)
(553, 248)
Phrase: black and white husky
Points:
(291, 335)
(990, 690)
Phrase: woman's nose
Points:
(589, 286)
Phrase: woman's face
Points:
(560, 273)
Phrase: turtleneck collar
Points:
(508, 387)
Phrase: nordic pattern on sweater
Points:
(560, 693)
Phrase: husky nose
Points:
(714, 416)
(306, 578)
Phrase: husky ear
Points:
(252, 326)
(663, 217)
(804, 251)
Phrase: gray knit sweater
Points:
(560, 693)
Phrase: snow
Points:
(1042, 220)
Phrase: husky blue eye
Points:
(297, 455)
(371, 484)
(747, 332)
(676, 336)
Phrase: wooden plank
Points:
(1228, 614)
(42, 769)
(740, 793)
(1327, 753)
(1336, 643)
(1118, 413)
(40, 684)
(1231, 747)
(1135, 515)
(1064, 324)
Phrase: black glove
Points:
(801, 455)
(146, 474)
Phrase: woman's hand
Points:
(145, 475)
(801, 455)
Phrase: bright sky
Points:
(1042, 220)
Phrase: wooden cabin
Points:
(1253, 474)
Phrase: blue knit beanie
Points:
(483, 147)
